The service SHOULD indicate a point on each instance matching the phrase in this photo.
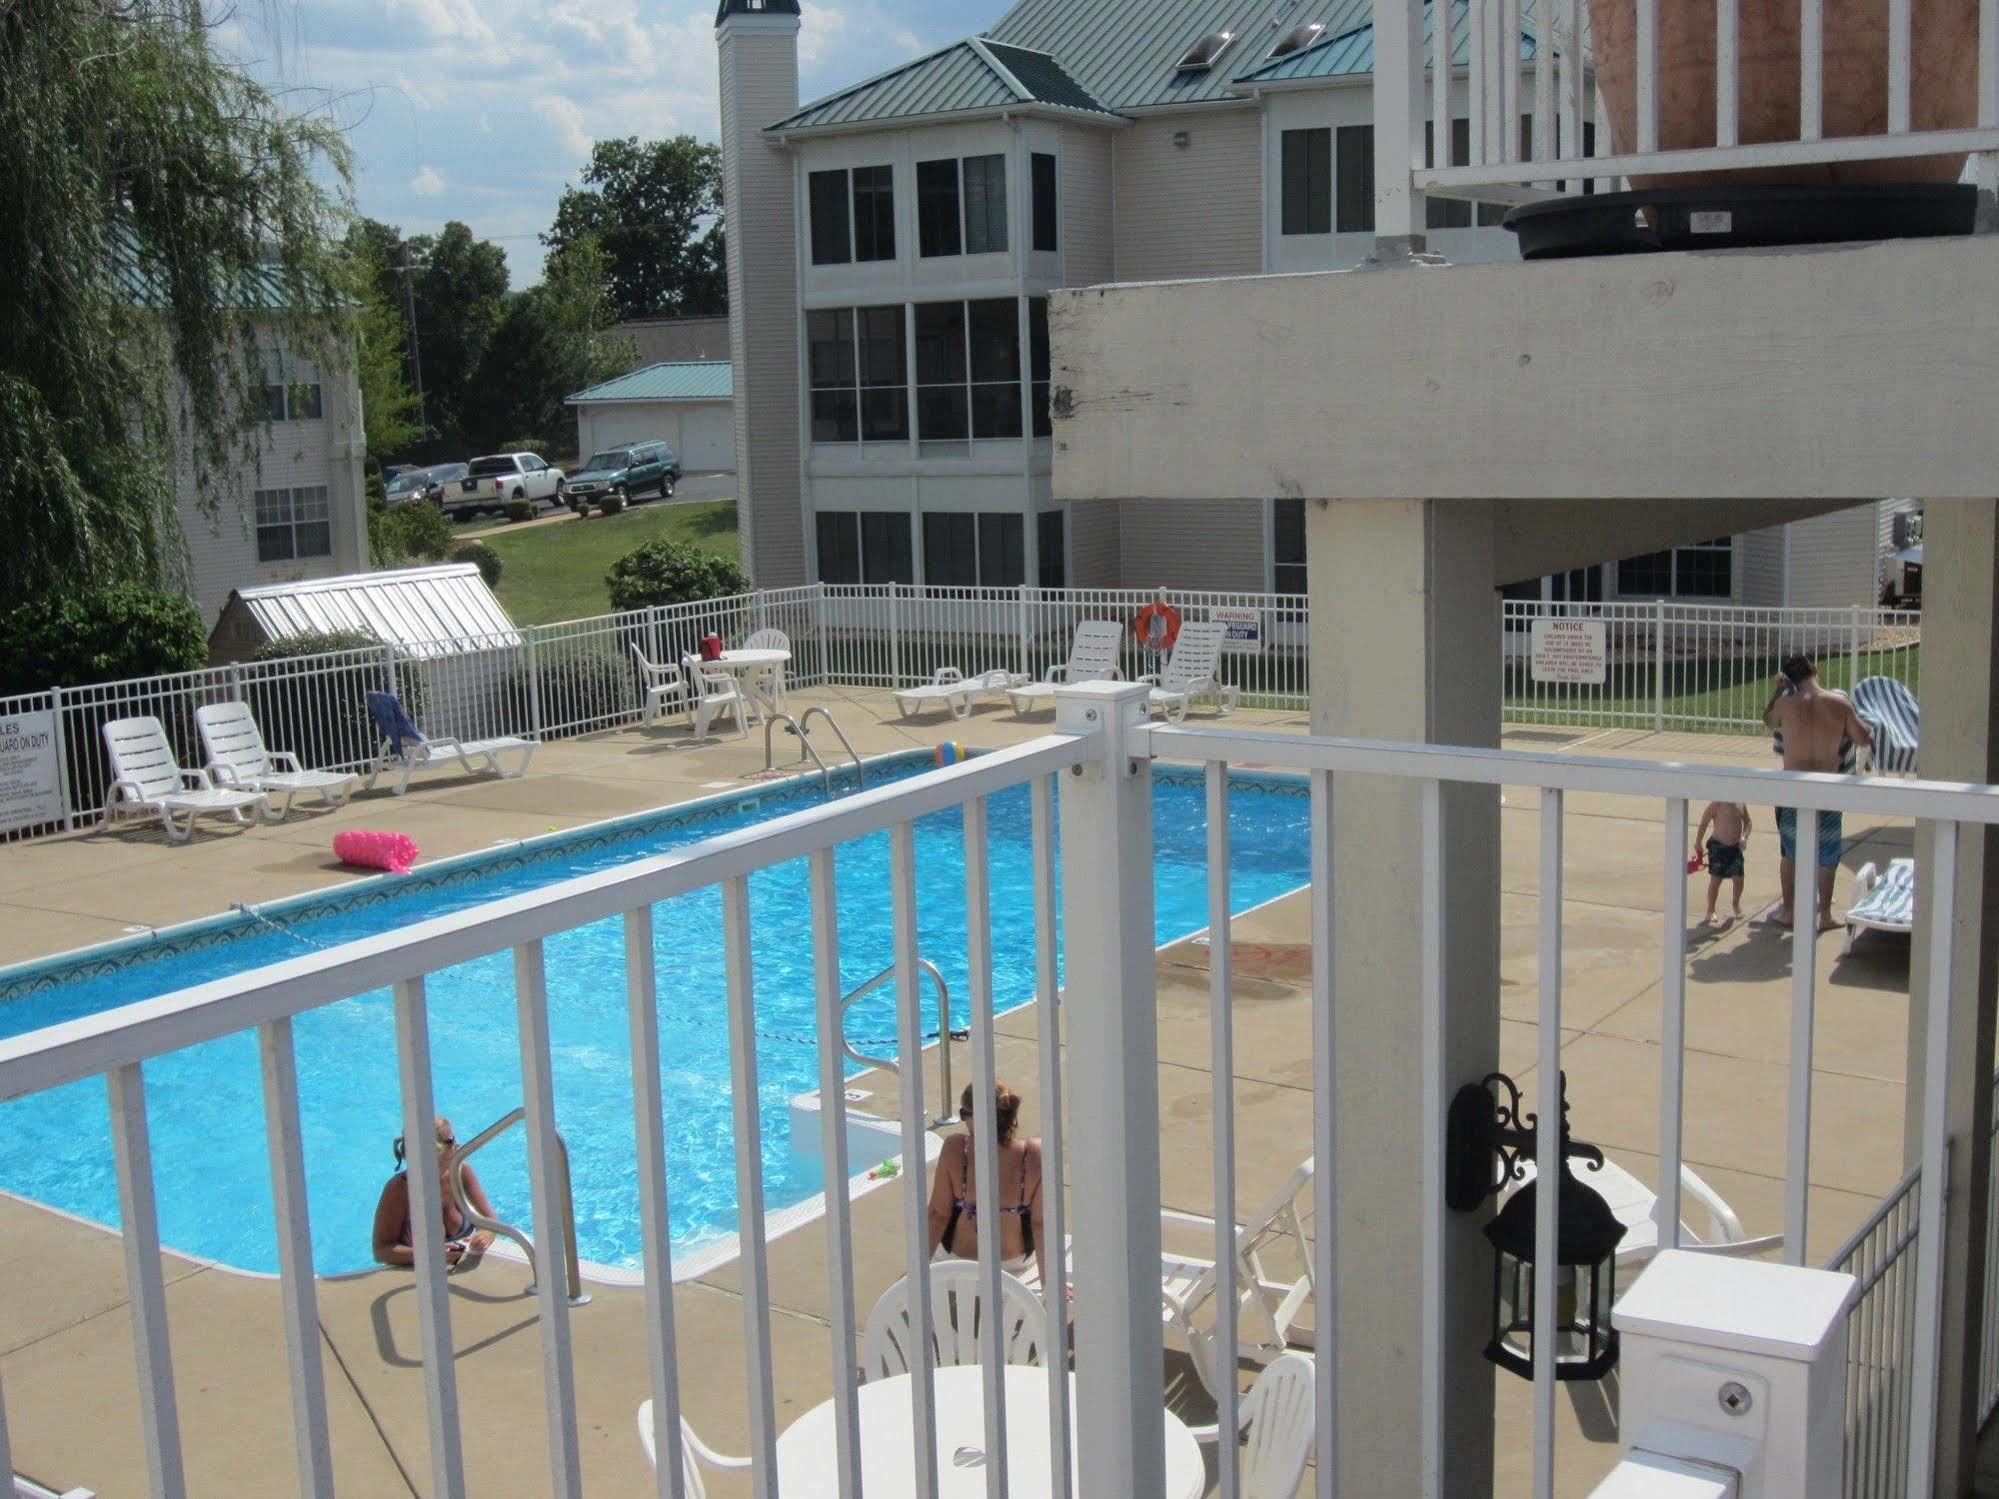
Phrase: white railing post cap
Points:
(1085, 707)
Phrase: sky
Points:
(482, 110)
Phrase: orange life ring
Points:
(1157, 626)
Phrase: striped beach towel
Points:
(1891, 905)
(1889, 710)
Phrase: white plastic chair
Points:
(952, 690)
(406, 748)
(238, 759)
(1093, 657)
(1189, 672)
(768, 681)
(662, 683)
(1636, 1206)
(956, 1314)
(1277, 1414)
(1275, 1279)
(146, 777)
(717, 694)
(693, 1453)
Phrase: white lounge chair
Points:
(408, 749)
(146, 777)
(1893, 718)
(1189, 672)
(662, 683)
(956, 1316)
(1884, 900)
(237, 759)
(767, 682)
(1637, 1208)
(1278, 1414)
(1274, 1273)
(1093, 657)
(717, 694)
(693, 1453)
(955, 692)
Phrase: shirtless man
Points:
(1814, 723)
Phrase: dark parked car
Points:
(642, 467)
(421, 483)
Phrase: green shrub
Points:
(523, 445)
(610, 502)
(579, 688)
(671, 572)
(99, 635)
(519, 510)
(486, 559)
(323, 717)
(415, 532)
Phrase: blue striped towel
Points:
(1891, 904)
(1889, 710)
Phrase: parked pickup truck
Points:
(491, 481)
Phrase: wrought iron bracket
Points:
(1488, 1138)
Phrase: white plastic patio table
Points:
(806, 1451)
(740, 662)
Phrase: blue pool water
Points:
(205, 1103)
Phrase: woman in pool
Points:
(954, 1207)
(395, 1240)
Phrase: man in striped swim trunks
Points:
(1814, 722)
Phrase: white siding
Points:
(1192, 543)
(1195, 210)
(1834, 558)
(1759, 567)
(1093, 546)
(1084, 173)
(759, 84)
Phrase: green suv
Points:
(629, 472)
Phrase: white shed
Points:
(686, 404)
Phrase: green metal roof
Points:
(1351, 53)
(966, 76)
(682, 380)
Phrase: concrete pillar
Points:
(1960, 698)
(1405, 631)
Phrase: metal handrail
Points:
(805, 741)
(831, 723)
(948, 1112)
(455, 1168)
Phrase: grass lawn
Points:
(556, 571)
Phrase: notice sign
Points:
(1245, 636)
(30, 788)
(1569, 650)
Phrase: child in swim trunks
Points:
(1725, 826)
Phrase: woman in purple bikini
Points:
(395, 1241)
(954, 1207)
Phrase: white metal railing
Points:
(1595, 101)
(1700, 666)
(1880, 1344)
(1103, 1141)
(1988, 1342)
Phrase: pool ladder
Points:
(477, 1219)
(947, 1113)
(797, 726)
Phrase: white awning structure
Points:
(424, 611)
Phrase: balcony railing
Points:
(1094, 773)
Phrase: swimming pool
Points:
(205, 1105)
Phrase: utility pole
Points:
(408, 267)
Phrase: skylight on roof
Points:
(1302, 35)
(1201, 56)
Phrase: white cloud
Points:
(565, 117)
(427, 183)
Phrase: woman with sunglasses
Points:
(954, 1205)
(395, 1240)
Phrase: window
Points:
(985, 204)
(961, 550)
(1449, 213)
(1307, 176)
(1287, 546)
(967, 370)
(1301, 35)
(874, 213)
(937, 223)
(1037, 363)
(831, 238)
(1201, 56)
(942, 406)
(1042, 170)
(276, 401)
(1355, 181)
(994, 332)
(1051, 552)
(1704, 570)
(866, 546)
(858, 377)
(293, 524)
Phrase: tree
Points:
(671, 572)
(460, 293)
(545, 349)
(388, 405)
(656, 209)
(170, 223)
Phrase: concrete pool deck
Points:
(65, 1360)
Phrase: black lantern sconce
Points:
(1488, 1141)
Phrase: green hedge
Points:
(486, 559)
(671, 572)
(579, 686)
(412, 532)
(323, 717)
(99, 635)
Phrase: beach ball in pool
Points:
(950, 753)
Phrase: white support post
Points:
(1054, 1161)
(1398, 126)
(1804, 895)
(534, 685)
(145, 1284)
(62, 763)
(1658, 665)
(1924, 1398)
(1107, 926)
(1673, 1024)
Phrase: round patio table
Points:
(806, 1452)
(743, 665)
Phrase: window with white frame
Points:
(962, 549)
(1287, 546)
(961, 206)
(865, 546)
(1051, 550)
(852, 213)
(858, 374)
(1041, 167)
(287, 401)
(1306, 177)
(1705, 570)
(293, 524)
(967, 370)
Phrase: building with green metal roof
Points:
(688, 404)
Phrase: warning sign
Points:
(1569, 650)
(1245, 636)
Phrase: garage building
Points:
(685, 404)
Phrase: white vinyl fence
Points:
(1702, 667)
(1880, 1344)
